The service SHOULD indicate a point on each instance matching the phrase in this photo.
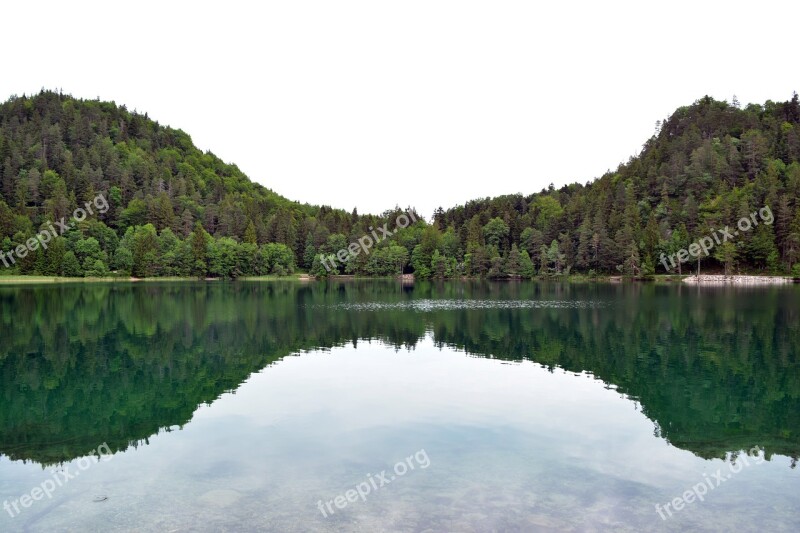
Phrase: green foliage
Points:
(526, 268)
(387, 261)
(224, 260)
(438, 265)
(709, 165)
(513, 262)
(70, 267)
(199, 240)
(726, 254)
(552, 259)
(150, 174)
(421, 261)
(123, 261)
(632, 265)
(145, 251)
(250, 236)
(89, 254)
(278, 258)
(96, 269)
(50, 262)
(423, 253)
(174, 255)
(318, 267)
(495, 232)
(134, 215)
(309, 251)
(496, 268)
(548, 210)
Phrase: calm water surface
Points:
(521, 407)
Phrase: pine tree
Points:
(200, 242)
(250, 234)
(513, 262)
(632, 261)
(310, 251)
(583, 255)
(526, 268)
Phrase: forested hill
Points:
(58, 152)
(709, 165)
(174, 210)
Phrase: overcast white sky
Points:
(373, 104)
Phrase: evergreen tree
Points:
(526, 268)
(513, 262)
(200, 243)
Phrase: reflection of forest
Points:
(714, 368)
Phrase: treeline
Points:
(708, 165)
(142, 252)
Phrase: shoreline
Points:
(705, 279)
(721, 279)
(30, 280)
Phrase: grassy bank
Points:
(16, 280)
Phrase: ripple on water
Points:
(447, 305)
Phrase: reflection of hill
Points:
(716, 372)
(117, 363)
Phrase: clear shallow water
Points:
(240, 407)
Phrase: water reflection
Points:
(714, 369)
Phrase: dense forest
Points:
(176, 211)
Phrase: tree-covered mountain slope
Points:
(709, 165)
(175, 210)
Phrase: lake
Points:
(378, 406)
